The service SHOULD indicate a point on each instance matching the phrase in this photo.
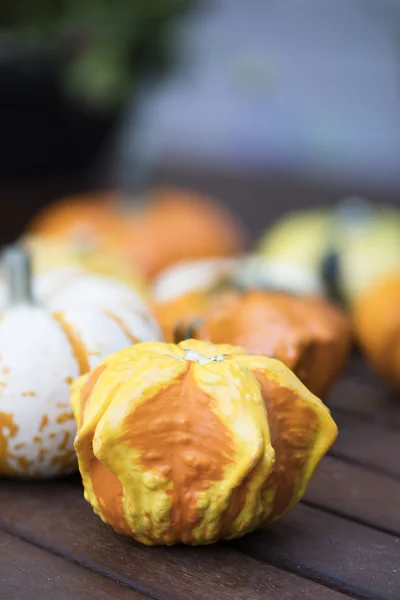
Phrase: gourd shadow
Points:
(72, 478)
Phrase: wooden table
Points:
(342, 540)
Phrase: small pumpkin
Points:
(194, 442)
(376, 321)
(348, 247)
(48, 253)
(169, 225)
(44, 346)
(308, 334)
(183, 292)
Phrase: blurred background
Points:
(267, 104)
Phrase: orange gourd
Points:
(172, 224)
(193, 443)
(308, 334)
(376, 321)
(185, 290)
(181, 313)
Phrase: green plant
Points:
(101, 47)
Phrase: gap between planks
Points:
(361, 394)
(367, 445)
(32, 570)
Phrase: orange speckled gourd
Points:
(194, 442)
(54, 328)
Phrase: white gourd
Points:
(48, 337)
(191, 275)
(247, 271)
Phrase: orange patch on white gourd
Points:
(42, 453)
(65, 460)
(78, 347)
(67, 416)
(44, 422)
(62, 404)
(8, 430)
(123, 326)
(63, 445)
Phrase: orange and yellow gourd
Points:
(308, 334)
(195, 442)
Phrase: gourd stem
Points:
(18, 271)
(182, 332)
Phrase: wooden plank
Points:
(27, 571)
(55, 516)
(350, 557)
(357, 493)
(368, 400)
(368, 445)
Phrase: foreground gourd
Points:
(376, 320)
(194, 442)
(43, 348)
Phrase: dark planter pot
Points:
(42, 134)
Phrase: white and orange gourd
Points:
(52, 330)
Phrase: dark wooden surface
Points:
(342, 540)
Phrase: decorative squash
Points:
(171, 225)
(308, 334)
(348, 247)
(255, 271)
(65, 287)
(376, 321)
(48, 253)
(195, 442)
(182, 312)
(299, 237)
(43, 348)
(183, 292)
(81, 217)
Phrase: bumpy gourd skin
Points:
(195, 442)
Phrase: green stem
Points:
(18, 270)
